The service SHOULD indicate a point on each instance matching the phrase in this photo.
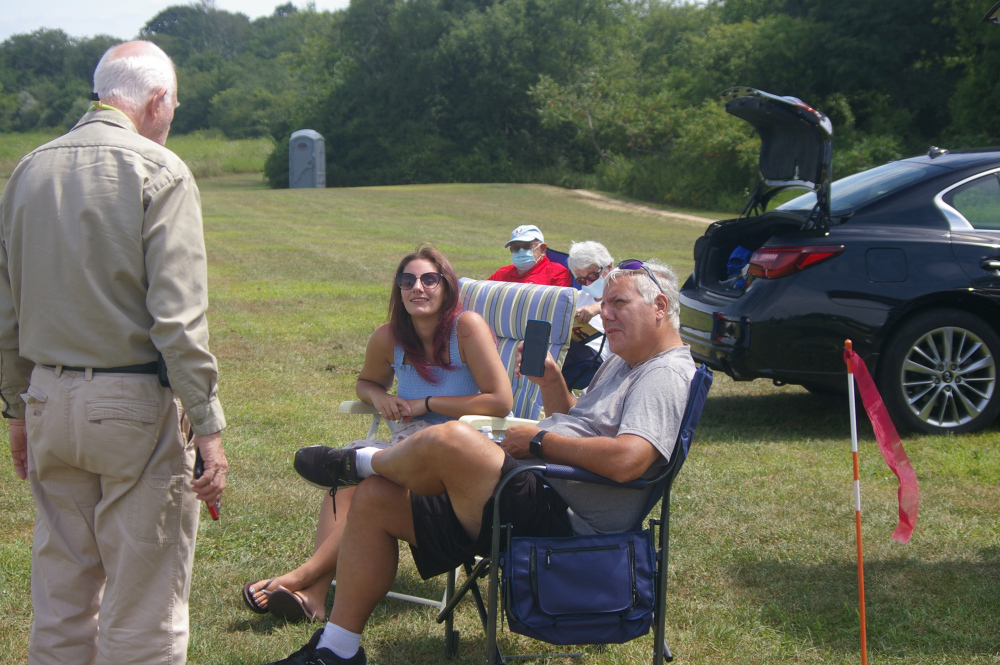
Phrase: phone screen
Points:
(536, 347)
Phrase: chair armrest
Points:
(357, 406)
(582, 475)
(498, 424)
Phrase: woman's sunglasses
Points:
(589, 279)
(407, 280)
(636, 264)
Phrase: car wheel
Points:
(939, 373)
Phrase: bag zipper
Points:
(572, 550)
(631, 568)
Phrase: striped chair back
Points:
(506, 307)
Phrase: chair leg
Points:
(484, 614)
(450, 634)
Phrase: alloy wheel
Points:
(948, 377)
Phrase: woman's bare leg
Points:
(312, 579)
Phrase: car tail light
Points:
(776, 262)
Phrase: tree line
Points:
(618, 94)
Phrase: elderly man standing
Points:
(435, 489)
(102, 271)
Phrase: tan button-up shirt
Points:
(102, 264)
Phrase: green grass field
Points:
(206, 154)
(762, 549)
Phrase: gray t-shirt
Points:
(647, 400)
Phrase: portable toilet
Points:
(306, 160)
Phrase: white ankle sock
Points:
(363, 458)
(340, 641)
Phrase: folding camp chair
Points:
(662, 484)
(562, 258)
(506, 307)
(578, 375)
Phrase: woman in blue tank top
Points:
(446, 364)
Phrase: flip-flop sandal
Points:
(288, 605)
(251, 602)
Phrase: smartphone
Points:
(536, 347)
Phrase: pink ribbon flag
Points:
(890, 447)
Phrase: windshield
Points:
(855, 190)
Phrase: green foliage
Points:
(45, 77)
(710, 164)
(560, 91)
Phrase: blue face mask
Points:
(523, 259)
(595, 289)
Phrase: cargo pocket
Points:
(155, 505)
(34, 408)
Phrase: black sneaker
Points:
(310, 655)
(327, 468)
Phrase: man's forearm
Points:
(556, 396)
(622, 458)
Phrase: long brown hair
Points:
(401, 323)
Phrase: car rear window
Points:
(979, 202)
(852, 192)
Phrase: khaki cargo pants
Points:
(116, 522)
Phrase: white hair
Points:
(582, 255)
(648, 290)
(129, 74)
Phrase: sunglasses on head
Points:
(636, 264)
(407, 280)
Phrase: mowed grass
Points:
(206, 154)
(762, 549)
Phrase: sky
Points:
(118, 18)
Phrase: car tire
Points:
(939, 373)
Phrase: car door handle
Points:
(990, 264)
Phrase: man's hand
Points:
(549, 375)
(19, 447)
(516, 440)
(209, 487)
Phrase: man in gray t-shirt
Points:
(646, 401)
(435, 489)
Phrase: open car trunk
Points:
(796, 152)
(717, 268)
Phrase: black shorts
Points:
(531, 506)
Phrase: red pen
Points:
(199, 468)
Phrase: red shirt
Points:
(544, 272)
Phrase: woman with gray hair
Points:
(590, 262)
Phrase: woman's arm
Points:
(377, 374)
(479, 351)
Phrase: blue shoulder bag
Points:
(545, 600)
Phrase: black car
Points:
(902, 259)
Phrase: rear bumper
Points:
(776, 335)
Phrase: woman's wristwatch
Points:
(535, 446)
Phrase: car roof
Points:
(959, 159)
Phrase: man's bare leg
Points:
(452, 458)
